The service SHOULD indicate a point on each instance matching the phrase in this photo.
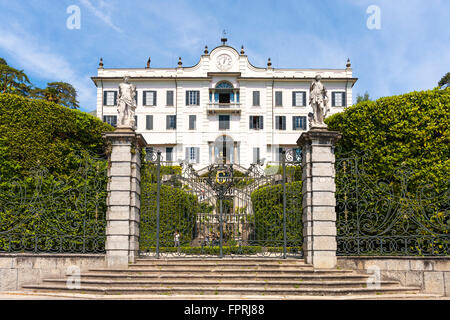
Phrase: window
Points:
(169, 154)
(256, 101)
(171, 122)
(256, 155)
(297, 153)
(110, 98)
(278, 154)
(193, 154)
(136, 122)
(298, 123)
(280, 122)
(338, 99)
(149, 122)
(192, 122)
(224, 122)
(192, 98)
(111, 120)
(256, 122)
(169, 98)
(299, 98)
(149, 98)
(278, 99)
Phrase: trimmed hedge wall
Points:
(52, 187)
(268, 210)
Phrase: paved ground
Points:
(21, 295)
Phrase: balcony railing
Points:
(233, 107)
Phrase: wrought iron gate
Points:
(221, 210)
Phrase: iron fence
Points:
(55, 213)
(396, 214)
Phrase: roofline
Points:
(284, 79)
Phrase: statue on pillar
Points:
(319, 101)
(126, 104)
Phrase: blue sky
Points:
(410, 52)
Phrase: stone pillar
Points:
(319, 202)
(123, 201)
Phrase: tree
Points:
(360, 98)
(445, 81)
(13, 80)
(61, 93)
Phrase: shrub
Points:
(268, 214)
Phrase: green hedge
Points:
(268, 214)
(38, 132)
(177, 212)
(409, 132)
(52, 190)
(227, 250)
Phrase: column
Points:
(123, 200)
(319, 202)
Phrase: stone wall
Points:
(17, 269)
(431, 274)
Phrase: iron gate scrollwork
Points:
(391, 215)
(222, 209)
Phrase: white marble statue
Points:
(126, 104)
(319, 101)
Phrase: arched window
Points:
(224, 85)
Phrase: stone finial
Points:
(349, 65)
(180, 63)
(269, 63)
(206, 50)
(242, 50)
(148, 62)
(100, 65)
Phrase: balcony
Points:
(216, 108)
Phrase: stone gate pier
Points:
(319, 201)
(123, 201)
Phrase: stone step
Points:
(224, 291)
(221, 271)
(217, 266)
(167, 283)
(221, 261)
(247, 277)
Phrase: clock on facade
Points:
(224, 62)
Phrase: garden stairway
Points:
(223, 277)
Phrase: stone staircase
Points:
(222, 277)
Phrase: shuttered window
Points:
(256, 122)
(192, 98)
(169, 98)
(299, 98)
(338, 99)
(224, 122)
(149, 122)
(149, 98)
(111, 120)
(298, 123)
(169, 153)
(256, 101)
(193, 154)
(256, 155)
(171, 122)
(278, 98)
(110, 98)
(192, 122)
(280, 122)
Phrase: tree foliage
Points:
(445, 81)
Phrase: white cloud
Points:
(36, 59)
(100, 12)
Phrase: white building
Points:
(221, 107)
